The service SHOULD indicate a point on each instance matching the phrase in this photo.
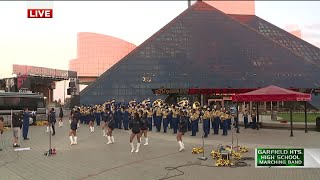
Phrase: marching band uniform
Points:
(126, 115)
(170, 118)
(111, 125)
(144, 126)
(193, 118)
(158, 118)
(224, 121)
(245, 118)
(91, 118)
(229, 120)
(175, 122)
(206, 122)
(254, 119)
(135, 124)
(120, 118)
(188, 116)
(217, 122)
(97, 115)
(165, 120)
(115, 115)
(149, 116)
(183, 127)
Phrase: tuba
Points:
(196, 105)
(158, 103)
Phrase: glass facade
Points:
(291, 41)
(97, 53)
(202, 48)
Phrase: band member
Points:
(224, 123)
(165, 122)
(206, 122)
(175, 122)
(229, 120)
(60, 117)
(194, 120)
(120, 117)
(149, 116)
(73, 131)
(135, 124)
(158, 118)
(91, 122)
(105, 118)
(245, 118)
(217, 121)
(254, 118)
(111, 126)
(126, 116)
(182, 129)
(97, 115)
(144, 127)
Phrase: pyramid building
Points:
(206, 48)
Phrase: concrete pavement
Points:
(92, 158)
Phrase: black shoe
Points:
(53, 134)
(16, 145)
(25, 138)
(0, 149)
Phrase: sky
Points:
(52, 42)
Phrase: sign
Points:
(162, 91)
(275, 157)
(41, 71)
(40, 13)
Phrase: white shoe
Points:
(138, 146)
(109, 140)
(132, 147)
(104, 133)
(93, 129)
(71, 140)
(47, 129)
(146, 144)
(181, 146)
(75, 140)
(112, 139)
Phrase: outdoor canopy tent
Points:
(274, 93)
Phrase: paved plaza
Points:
(92, 158)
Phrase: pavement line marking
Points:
(134, 162)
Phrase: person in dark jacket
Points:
(111, 126)
(73, 131)
(135, 124)
(60, 117)
(144, 127)
(16, 127)
(52, 120)
(183, 125)
(26, 119)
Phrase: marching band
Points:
(141, 117)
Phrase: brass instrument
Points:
(183, 103)
(196, 105)
(158, 103)
(146, 102)
(132, 103)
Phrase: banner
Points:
(287, 158)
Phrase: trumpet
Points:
(196, 105)
(158, 103)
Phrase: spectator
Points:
(1, 130)
(52, 120)
(16, 125)
(26, 119)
